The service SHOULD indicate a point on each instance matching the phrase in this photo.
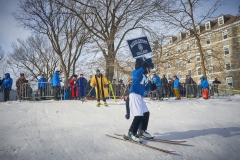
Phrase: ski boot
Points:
(144, 134)
(98, 104)
(105, 104)
(132, 137)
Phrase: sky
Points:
(10, 32)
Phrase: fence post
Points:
(229, 92)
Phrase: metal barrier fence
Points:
(37, 91)
(215, 90)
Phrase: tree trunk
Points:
(109, 67)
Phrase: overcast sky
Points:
(9, 32)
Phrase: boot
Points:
(144, 134)
(98, 103)
(132, 137)
(105, 104)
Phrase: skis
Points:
(145, 145)
(160, 140)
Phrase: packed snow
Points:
(70, 129)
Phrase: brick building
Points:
(220, 42)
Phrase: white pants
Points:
(137, 105)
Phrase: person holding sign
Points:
(135, 104)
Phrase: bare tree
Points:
(110, 22)
(183, 15)
(3, 66)
(33, 56)
(65, 32)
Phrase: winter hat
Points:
(174, 76)
(81, 74)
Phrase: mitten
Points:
(145, 65)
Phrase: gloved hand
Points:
(152, 86)
(105, 85)
(145, 65)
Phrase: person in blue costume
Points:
(81, 83)
(7, 86)
(135, 104)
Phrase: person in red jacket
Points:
(73, 87)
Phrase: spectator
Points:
(56, 84)
(165, 86)
(191, 87)
(176, 87)
(170, 88)
(42, 86)
(216, 83)
(72, 85)
(157, 81)
(20, 86)
(114, 88)
(92, 90)
(7, 86)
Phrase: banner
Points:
(139, 46)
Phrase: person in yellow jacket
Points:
(100, 82)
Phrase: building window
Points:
(208, 40)
(179, 37)
(180, 74)
(188, 33)
(199, 71)
(170, 40)
(210, 69)
(180, 63)
(169, 76)
(228, 65)
(188, 59)
(209, 54)
(178, 50)
(167, 53)
(220, 20)
(187, 47)
(198, 29)
(189, 72)
(196, 45)
(198, 59)
(229, 81)
(225, 34)
(168, 65)
(207, 26)
(226, 50)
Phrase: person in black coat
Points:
(191, 87)
(164, 86)
(216, 83)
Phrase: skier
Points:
(100, 82)
(81, 84)
(73, 87)
(7, 86)
(137, 107)
(205, 86)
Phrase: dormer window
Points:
(170, 40)
(220, 20)
(207, 26)
(198, 29)
(187, 33)
(179, 37)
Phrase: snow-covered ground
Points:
(72, 130)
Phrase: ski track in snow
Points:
(75, 130)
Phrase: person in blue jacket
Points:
(176, 86)
(42, 86)
(135, 103)
(7, 86)
(204, 83)
(56, 84)
(157, 80)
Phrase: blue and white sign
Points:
(139, 46)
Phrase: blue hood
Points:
(8, 75)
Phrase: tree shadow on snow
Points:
(224, 132)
